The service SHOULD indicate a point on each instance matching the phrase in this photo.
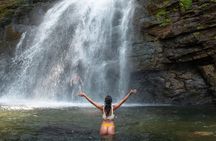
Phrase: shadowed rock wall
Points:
(173, 54)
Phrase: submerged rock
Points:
(203, 133)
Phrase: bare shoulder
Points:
(115, 106)
(100, 106)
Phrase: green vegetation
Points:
(204, 5)
(162, 17)
(200, 27)
(7, 7)
(185, 4)
(166, 2)
(196, 34)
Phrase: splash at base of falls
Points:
(33, 104)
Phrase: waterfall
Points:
(83, 39)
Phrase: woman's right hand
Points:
(82, 94)
(133, 91)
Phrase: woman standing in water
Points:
(108, 126)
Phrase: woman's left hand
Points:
(82, 94)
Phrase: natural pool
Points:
(148, 123)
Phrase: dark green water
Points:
(132, 124)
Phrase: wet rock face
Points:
(176, 86)
(173, 55)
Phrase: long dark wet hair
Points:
(108, 104)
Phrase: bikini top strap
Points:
(104, 109)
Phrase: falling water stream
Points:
(77, 38)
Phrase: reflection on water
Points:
(132, 124)
(107, 138)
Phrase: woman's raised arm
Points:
(116, 106)
(97, 105)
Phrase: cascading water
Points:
(85, 38)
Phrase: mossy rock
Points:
(8, 7)
(11, 34)
(3, 44)
(162, 17)
(185, 4)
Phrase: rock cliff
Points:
(174, 51)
